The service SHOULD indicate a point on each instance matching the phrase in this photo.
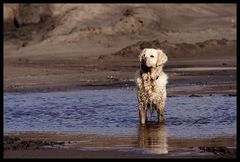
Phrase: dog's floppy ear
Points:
(162, 57)
(141, 54)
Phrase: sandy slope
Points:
(72, 45)
(107, 27)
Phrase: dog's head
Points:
(151, 58)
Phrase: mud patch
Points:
(15, 143)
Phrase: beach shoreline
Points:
(52, 145)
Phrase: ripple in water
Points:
(114, 111)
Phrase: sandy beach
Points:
(61, 48)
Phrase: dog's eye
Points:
(151, 56)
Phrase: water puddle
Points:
(114, 111)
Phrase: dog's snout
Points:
(143, 61)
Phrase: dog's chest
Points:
(152, 86)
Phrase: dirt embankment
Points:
(116, 25)
(59, 45)
(179, 54)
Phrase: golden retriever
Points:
(151, 83)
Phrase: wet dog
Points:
(151, 83)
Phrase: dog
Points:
(151, 83)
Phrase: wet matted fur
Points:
(151, 83)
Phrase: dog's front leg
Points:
(142, 113)
(160, 112)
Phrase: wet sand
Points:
(51, 145)
(214, 63)
(55, 75)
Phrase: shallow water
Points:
(114, 112)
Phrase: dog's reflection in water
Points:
(153, 136)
